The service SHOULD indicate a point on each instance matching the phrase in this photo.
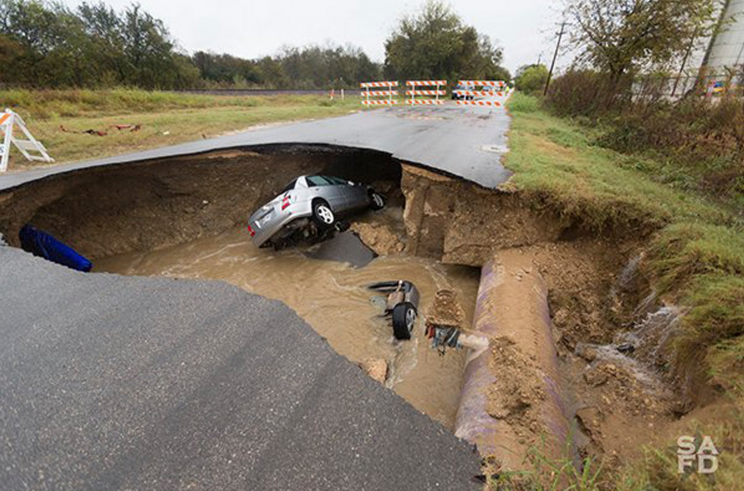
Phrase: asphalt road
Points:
(111, 382)
(464, 141)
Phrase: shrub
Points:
(703, 138)
(531, 79)
(585, 93)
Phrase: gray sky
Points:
(523, 28)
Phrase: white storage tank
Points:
(727, 49)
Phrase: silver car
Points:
(309, 205)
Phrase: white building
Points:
(719, 60)
(725, 54)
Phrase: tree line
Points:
(46, 44)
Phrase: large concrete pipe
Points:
(510, 398)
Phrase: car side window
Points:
(318, 181)
(336, 180)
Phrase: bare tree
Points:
(619, 37)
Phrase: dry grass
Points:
(165, 118)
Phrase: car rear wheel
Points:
(404, 318)
(377, 201)
(323, 215)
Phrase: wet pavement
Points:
(332, 298)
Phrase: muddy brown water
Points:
(332, 298)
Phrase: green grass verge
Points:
(166, 118)
(696, 245)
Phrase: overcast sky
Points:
(525, 29)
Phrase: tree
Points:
(531, 79)
(436, 45)
(620, 37)
(53, 46)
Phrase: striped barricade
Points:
(426, 83)
(381, 102)
(479, 103)
(389, 93)
(484, 83)
(436, 93)
(424, 102)
(369, 85)
(489, 89)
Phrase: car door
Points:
(322, 187)
(355, 195)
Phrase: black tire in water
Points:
(323, 215)
(404, 318)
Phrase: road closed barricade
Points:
(425, 90)
(374, 90)
(492, 92)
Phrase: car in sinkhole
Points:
(310, 208)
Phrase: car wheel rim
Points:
(325, 215)
(378, 200)
(410, 319)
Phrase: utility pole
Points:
(555, 56)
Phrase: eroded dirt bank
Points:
(146, 206)
(614, 392)
(615, 397)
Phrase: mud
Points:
(333, 298)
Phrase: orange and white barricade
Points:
(389, 92)
(437, 91)
(31, 148)
(492, 90)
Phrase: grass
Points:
(695, 253)
(165, 118)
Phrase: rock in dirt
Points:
(596, 377)
(586, 352)
(446, 310)
(376, 368)
(378, 238)
(590, 419)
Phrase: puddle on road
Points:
(332, 298)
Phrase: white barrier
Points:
(498, 89)
(8, 120)
(413, 92)
(389, 93)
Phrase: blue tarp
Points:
(44, 245)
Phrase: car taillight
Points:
(251, 231)
(285, 202)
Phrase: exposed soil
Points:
(615, 400)
(146, 206)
